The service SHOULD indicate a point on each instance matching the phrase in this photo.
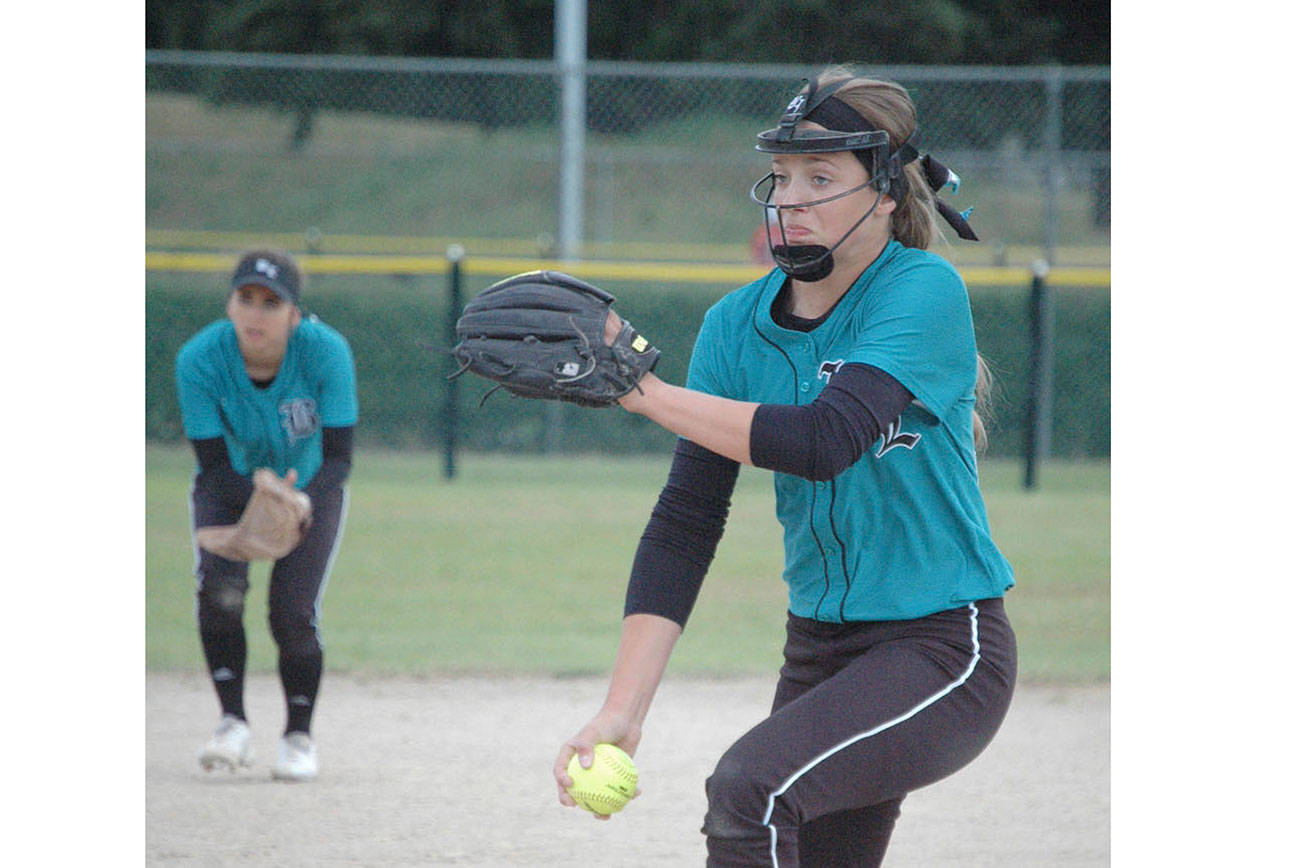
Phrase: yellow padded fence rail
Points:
(431, 245)
(674, 272)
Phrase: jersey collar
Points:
(853, 296)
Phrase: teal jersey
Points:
(903, 531)
(278, 426)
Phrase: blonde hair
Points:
(888, 107)
(984, 385)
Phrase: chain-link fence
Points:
(472, 149)
(327, 155)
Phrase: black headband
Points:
(836, 115)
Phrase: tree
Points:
(993, 32)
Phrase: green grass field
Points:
(364, 173)
(519, 565)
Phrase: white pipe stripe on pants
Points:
(931, 700)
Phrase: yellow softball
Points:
(608, 785)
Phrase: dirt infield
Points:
(457, 771)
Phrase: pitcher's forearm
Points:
(719, 424)
(645, 644)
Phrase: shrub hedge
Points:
(398, 331)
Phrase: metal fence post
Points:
(571, 38)
(1039, 429)
(571, 46)
(1052, 145)
(455, 254)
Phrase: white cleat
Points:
(296, 759)
(230, 746)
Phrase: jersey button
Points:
(804, 387)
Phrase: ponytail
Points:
(984, 383)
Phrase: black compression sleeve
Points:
(217, 476)
(336, 460)
(821, 439)
(681, 538)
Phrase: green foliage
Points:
(762, 31)
(519, 565)
(403, 389)
(485, 28)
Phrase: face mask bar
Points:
(764, 198)
(871, 147)
(807, 262)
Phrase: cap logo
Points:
(266, 267)
(796, 104)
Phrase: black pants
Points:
(864, 713)
(293, 607)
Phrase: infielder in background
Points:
(851, 370)
(267, 387)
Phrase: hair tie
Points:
(939, 176)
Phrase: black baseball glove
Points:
(542, 334)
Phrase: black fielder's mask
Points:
(845, 130)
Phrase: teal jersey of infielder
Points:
(903, 532)
(278, 426)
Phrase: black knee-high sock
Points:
(226, 653)
(300, 676)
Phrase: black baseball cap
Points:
(270, 268)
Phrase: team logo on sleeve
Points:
(827, 369)
(299, 418)
(893, 437)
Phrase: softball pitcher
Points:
(851, 371)
(267, 387)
